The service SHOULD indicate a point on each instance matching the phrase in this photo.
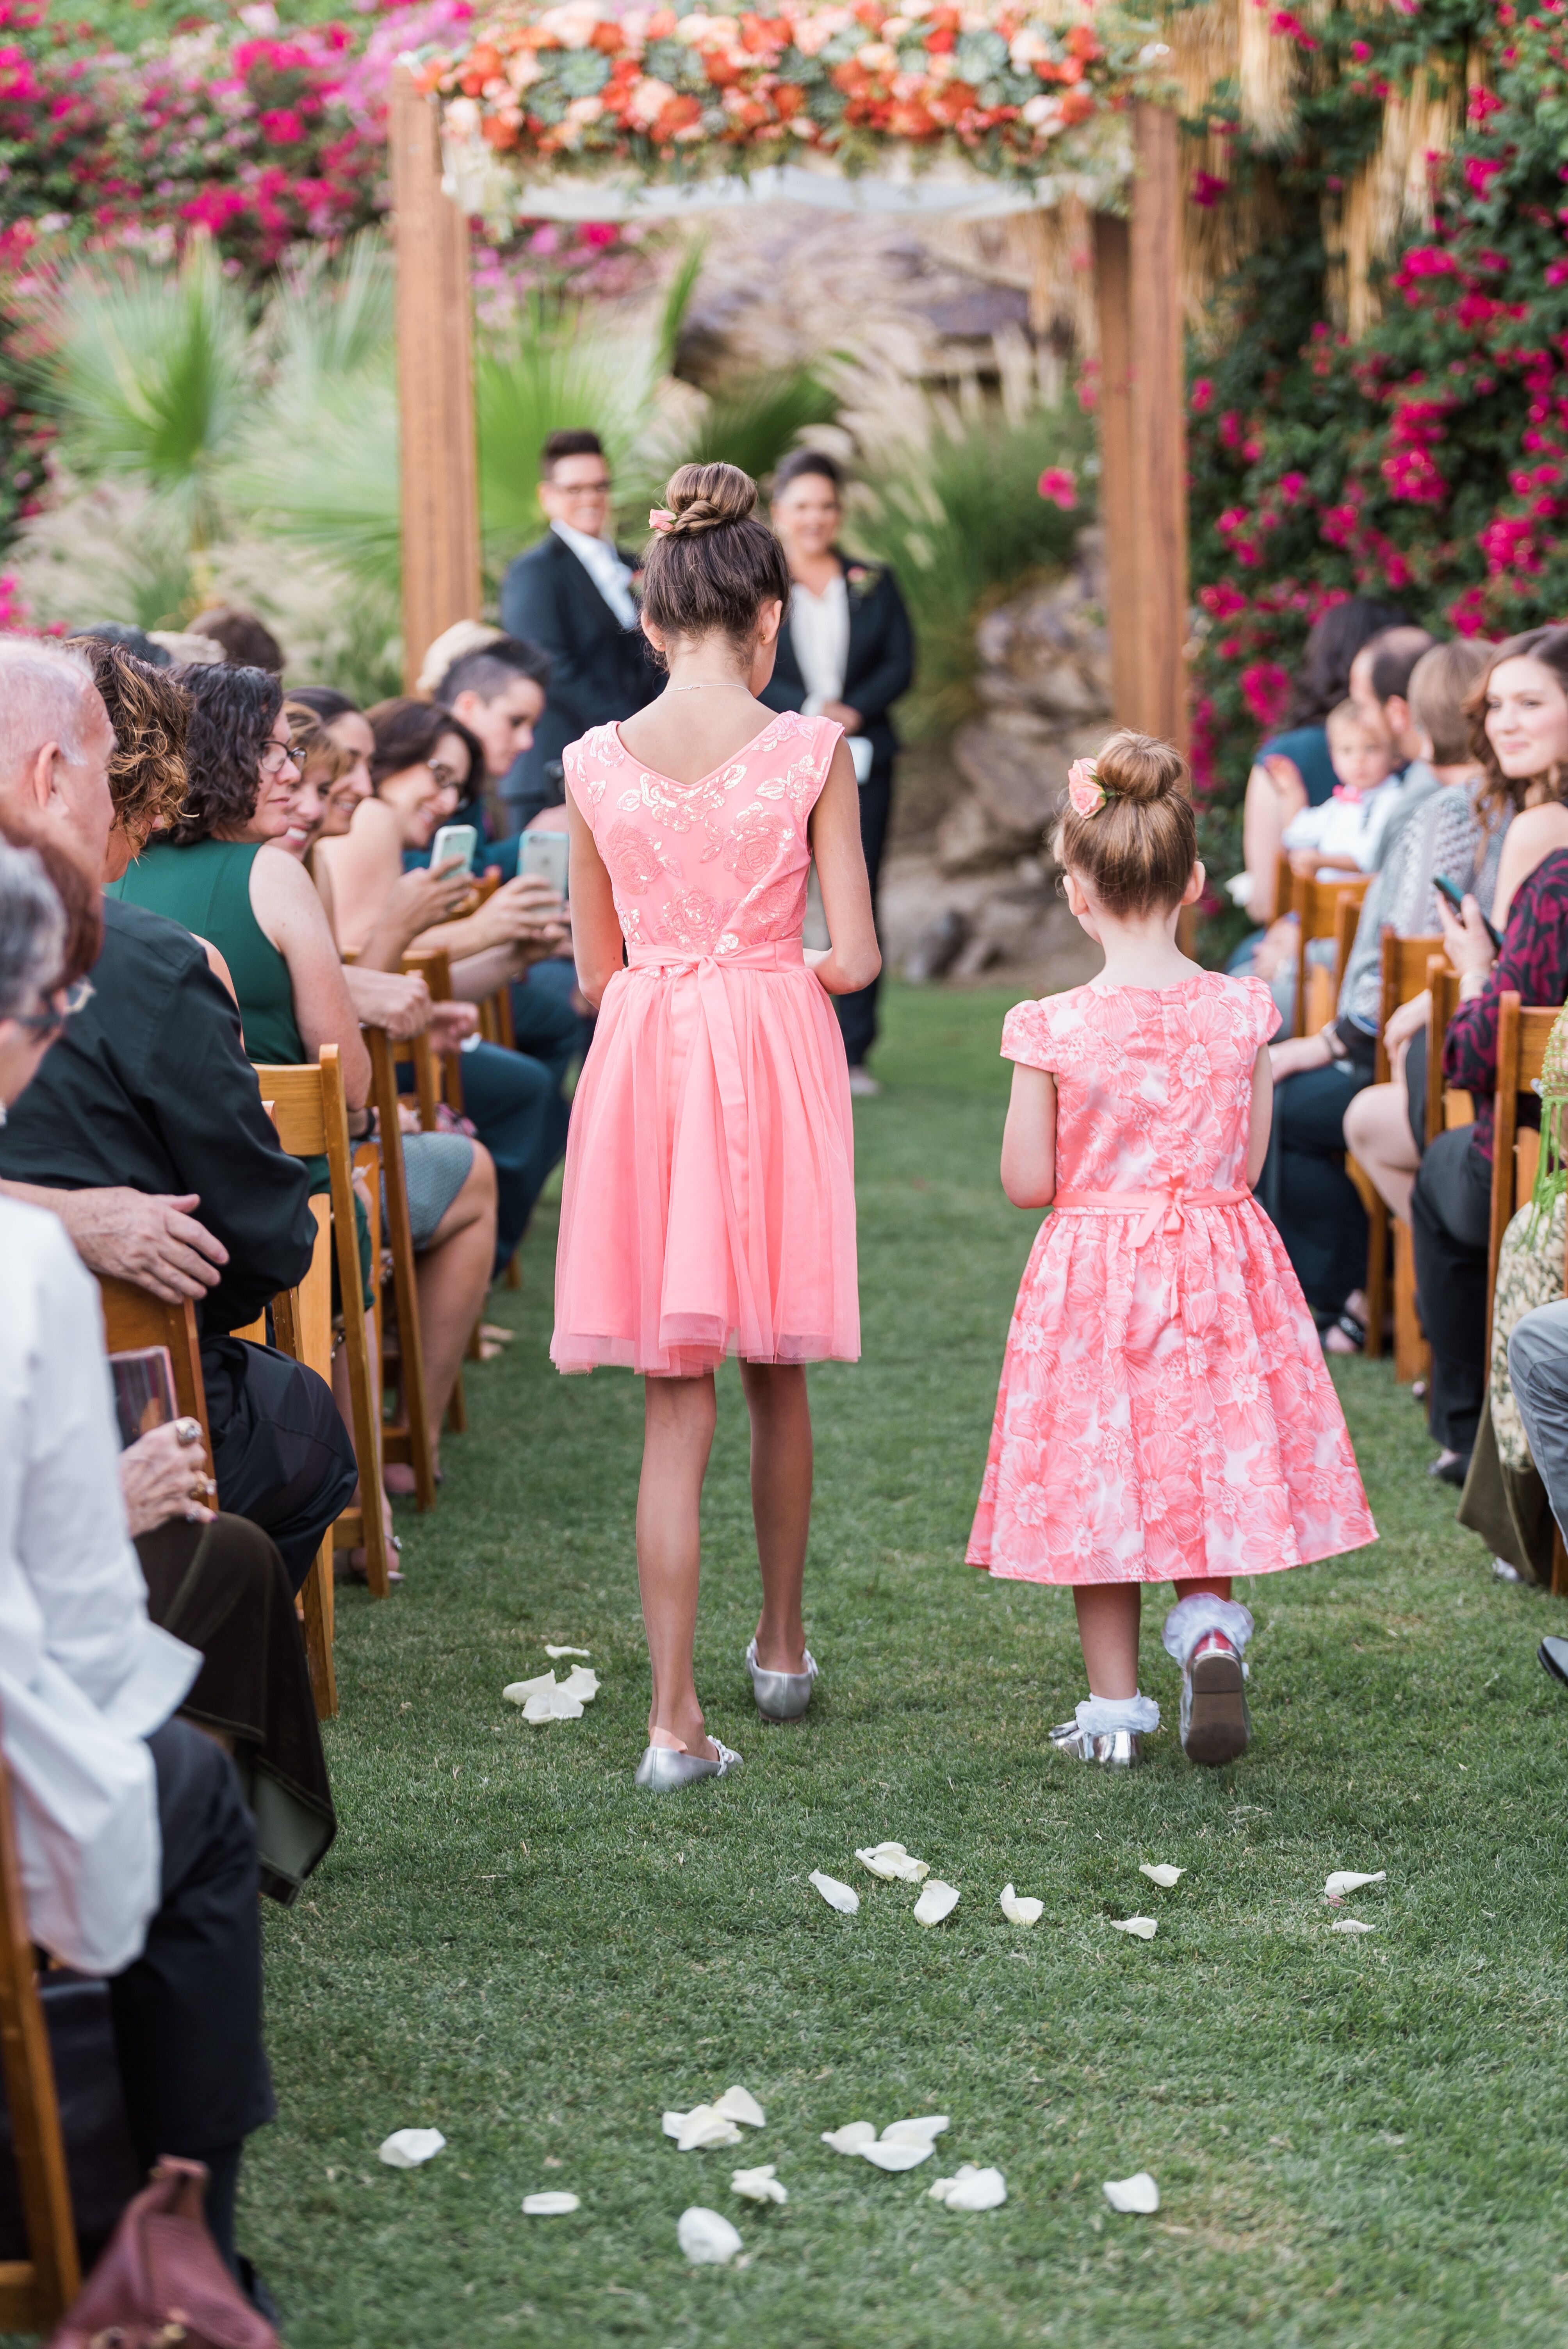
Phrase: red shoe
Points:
(1215, 1723)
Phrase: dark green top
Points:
(206, 888)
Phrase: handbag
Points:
(100, 2162)
(162, 2281)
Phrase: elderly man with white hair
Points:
(144, 1132)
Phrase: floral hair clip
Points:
(662, 520)
(1086, 794)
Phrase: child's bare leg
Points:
(780, 1506)
(678, 1439)
(1217, 1586)
(1107, 1616)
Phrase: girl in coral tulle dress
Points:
(1164, 1414)
(709, 1202)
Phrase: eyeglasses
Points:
(278, 759)
(446, 776)
(583, 489)
(66, 1001)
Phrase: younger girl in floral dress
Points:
(1164, 1414)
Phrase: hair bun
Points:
(701, 497)
(1141, 768)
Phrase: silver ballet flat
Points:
(781, 1696)
(661, 1770)
(1118, 1749)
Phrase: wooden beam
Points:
(1143, 439)
(435, 383)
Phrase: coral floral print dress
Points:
(709, 1194)
(1165, 1412)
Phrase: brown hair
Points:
(559, 445)
(312, 744)
(712, 571)
(247, 641)
(1439, 685)
(1504, 795)
(81, 899)
(406, 732)
(1137, 851)
(150, 715)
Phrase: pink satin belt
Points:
(774, 954)
(1152, 1205)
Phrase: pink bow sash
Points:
(773, 954)
(1166, 1210)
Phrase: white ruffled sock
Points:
(1099, 1715)
(1190, 1619)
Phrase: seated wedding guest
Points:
(138, 1854)
(247, 641)
(144, 1132)
(571, 594)
(1537, 1369)
(1292, 770)
(346, 725)
(1343, 833)
(1434, 833)
(846, 651)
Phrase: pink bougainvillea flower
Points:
(1086, 792)
(1059, 487)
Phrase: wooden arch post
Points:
(1143, 436)
(435, 383)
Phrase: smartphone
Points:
(143, 1390)
(460, 840)
(545, 852)
(1455, 898)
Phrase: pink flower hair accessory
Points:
(1086, 794)
(662, 520)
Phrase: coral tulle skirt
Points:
(708, 1206)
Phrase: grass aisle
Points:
(1357, 2140)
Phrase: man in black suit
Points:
(571, 596)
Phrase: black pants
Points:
(1304, 1186)
(1450, 1221)
(857, 1012)
(280, 1453)
(188, 2012)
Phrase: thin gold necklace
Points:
(702, 681)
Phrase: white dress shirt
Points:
(819, 631)
(84, 1676)
(604, 567)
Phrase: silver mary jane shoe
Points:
(661, 1770)
(1116, 1749)
(781, 1696)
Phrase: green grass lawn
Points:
(1356, 2140)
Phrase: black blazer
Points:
(880, 665)
(598, 670)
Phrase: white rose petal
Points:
(553, 1704)
(971, 2189)
(758, 2185)
(549, 2206)
(702, 2126)
(923, 2130)
(853, 2137)
(706, 2239)
(580, 1683)
(566, 1651)
(1019, 1911)
(1144, 1927)
(1138, 2192)
(842, 1897)
(1344, 1880)
(938, 1900)
(1350, 1924)
(520, 1692)
(1163, 1875)
(740, 2105)
(897, 2153)
(893, 1864)
(406, 2148)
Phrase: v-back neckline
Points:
(649, 769)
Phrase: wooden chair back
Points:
(1446, 1105)
(406, 1436)
(1325, 909)
(35, 2292)
(1403, 977)
(434, 965)
(134, 1318)
(1285, 888)
(1521, 1038)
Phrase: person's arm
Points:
(1535, 833)
(525, 916)
(289, 912)
(854, 957)
(533, 606)
(364, 867)
(151, 1238)
(872, 695)
(385, 998)
(415, 902)
(161, 1476)
(596, 924)
(1261, 1118)
(1029, 1138)
(1532, 963)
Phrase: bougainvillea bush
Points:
(1428, 462)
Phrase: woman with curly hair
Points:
(150, 715)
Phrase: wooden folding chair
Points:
(1404, 976)
(1522, 1035)
(434, 965)
(35, 2292)
(406, 1437)
(134, 1318)
(1324, 909)
(1446, 1105)
(311, 1119)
